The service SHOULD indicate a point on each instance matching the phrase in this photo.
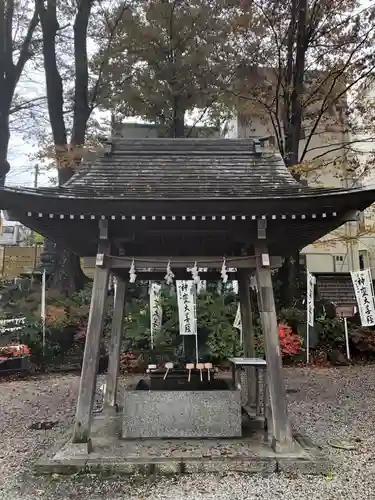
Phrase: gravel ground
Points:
(329, 403)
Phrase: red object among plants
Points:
(129, 363)
(14, 351)
(290, 343)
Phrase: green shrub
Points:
(293, 317)
(58, 342)
(215, 315)
(330, 332)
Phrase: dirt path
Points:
(324, 403)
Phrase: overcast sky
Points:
(32, 85)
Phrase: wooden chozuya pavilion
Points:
(154, 201)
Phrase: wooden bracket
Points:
(351, 216)
(262, 226)
(103, 229)
(103, 252)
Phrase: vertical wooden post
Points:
(83, 417)
(247, 331)
(115, 345)
(282, 433)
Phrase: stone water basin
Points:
(176, 408)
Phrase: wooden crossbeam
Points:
(160, 263)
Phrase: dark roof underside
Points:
(177, 181)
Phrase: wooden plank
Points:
(115, 344)
(282, 432)
(83, 417)
(160, 263)
(180, 274)
(247, 331)
(103, 229)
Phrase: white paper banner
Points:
(237, 320)
(201, 286)
(310, 299)
(12, 320)
(364, 293)
(186, 301)
(156, 311)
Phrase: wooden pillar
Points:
(115, 345)
(281, 429)
(247, 331)
(87, 387)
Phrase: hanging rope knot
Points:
(195, 274)
(132, 273)
(224, 271)
(169, 276)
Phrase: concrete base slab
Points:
(111, 455)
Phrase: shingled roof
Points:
(184, 168)
(208, 170)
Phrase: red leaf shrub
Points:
(129, 363)
(363, 339)
(290, 343)
(14, 351)
(55, 315)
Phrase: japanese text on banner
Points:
(156, 312)
(310, 299)
(187, 307)
(362, 283)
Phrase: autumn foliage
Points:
(290, 343)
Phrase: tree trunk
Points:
(6, 66)
(10, 72)
(81, 111)
(4, 143)
(178, 118)
(292, 120)
(67, 275)
(296, 60)
(54, 85)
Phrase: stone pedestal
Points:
(181, 414)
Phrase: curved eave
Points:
(315, 201)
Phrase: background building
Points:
(14, 234)
(350, 247)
